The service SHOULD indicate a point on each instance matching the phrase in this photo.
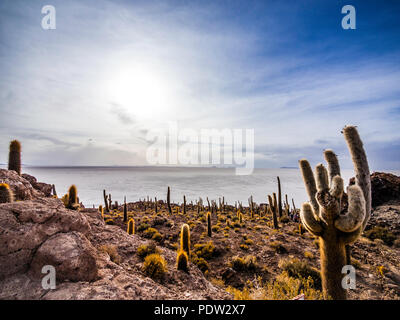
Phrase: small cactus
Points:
(73, 198)
(185, 239)
(182, 261)
(14, 156)
(6, 194)
(337, 218)
(209, 224)
(101, 210)
(131, 226)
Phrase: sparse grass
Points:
(382, 233)
(278, 246)
(249, 263)
(205, 250)
(111, 250)
(283, 287)
(155, 266)
(300, 269)
(146, 249)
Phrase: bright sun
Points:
(141, 90)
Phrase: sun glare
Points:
(141, 90)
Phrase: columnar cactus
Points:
(53, 187)
(125, 211)
(182, 261)
(106, 201)
(6, 194)
(279, 198)
(209, 233)
(337, 218)
(14, 156)
(185, 239)
(131, 226)
(273, 209)
(101, 210)
(169, 200)
(184, 205)
(73, 203)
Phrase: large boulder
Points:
(26, 225)
(385, 187)
(72, 255)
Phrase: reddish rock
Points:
(385, 187)
(72, 255)
(45, 188)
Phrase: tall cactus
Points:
(209, 233)
(273, 210)
(14, 156)
(184, 205)
(6, 194)
(169, 200)
(279, 198)
(185, 239)
(329, 216)
(125, 210)
(106, 201)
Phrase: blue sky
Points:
(285, 68)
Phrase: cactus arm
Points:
(356, 212)
(309, 221)
(361, 168)
(333, 164)
(322, 177)
(309, 182)
(337, 187)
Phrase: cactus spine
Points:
(73, 198)
(6, 194)
(125, 210)
(185, 239)
(169, 200)
(14, 156)
(326, 215)
(209, 224)
(131, 226)
(182, 261)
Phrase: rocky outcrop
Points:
(21, 188)
(26, 225)
(39, 231)
(45, 188)
(385, 187)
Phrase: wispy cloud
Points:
(287, 70)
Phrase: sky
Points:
(90, 91)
